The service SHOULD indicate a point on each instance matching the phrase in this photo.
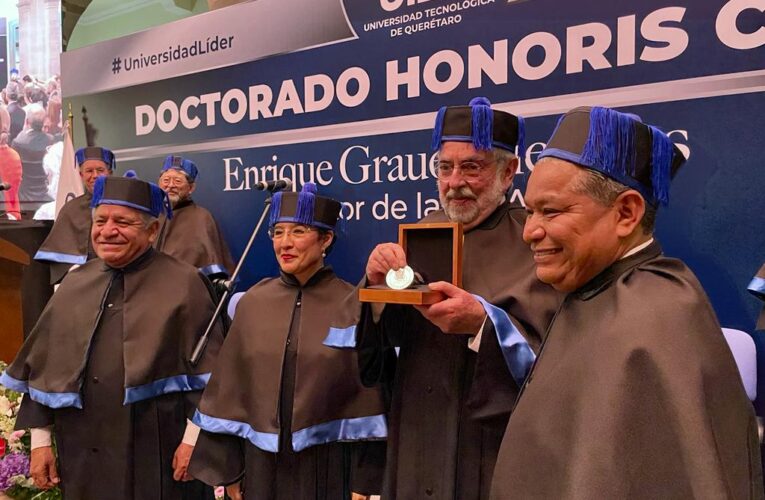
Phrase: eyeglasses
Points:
(173, 181)
(469, 169)
(297, 232)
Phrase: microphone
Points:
(274, 186)
(4, 186)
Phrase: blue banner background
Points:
(714, 219)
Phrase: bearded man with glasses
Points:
(447, 419)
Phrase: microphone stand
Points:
(199, 348)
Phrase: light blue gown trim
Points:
(347, 429)
(515, 349)
(178, 383)
(49, 399)
(266, 441)
(341, 338)
(757, 287)
(213, 269)
(63, 258)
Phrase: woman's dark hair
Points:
(324, 232)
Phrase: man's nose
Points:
(532, 230)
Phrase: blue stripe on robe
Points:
(49, 399)
(347, 429)
(178, 383)
(266, 441)
(757, 287)
(63, 258)
(515, 349)
(213, 269)
(342, 338)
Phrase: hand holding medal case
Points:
(433, 253)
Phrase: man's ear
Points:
(509, 173)
(193, 187)
(153, 231)
(630, 208)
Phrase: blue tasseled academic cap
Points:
(133, 193)
(620, 146)
(177, 163)
(305, 207)
(95, 153)
(477, 123)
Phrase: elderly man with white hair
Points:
(437, 447)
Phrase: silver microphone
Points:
(274, 186)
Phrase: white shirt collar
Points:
(636, 249)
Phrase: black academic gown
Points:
(193, 236)
(437, 446)
(757, 288)
(635, 394)
(68, 242)
(281, 327)
(108, 448)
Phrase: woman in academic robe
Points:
(285, 415)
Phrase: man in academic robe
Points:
(192, 236)
(106, 369)
(68, 242)
(437, 446)
(635, 393)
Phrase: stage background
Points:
(344, 94)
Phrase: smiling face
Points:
(299, 248)
(471, 184)
(119, 234)
(90, 170)
(573, 237)
(176, 184)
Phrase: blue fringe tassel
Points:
(276, 208)
(438, 129)
(160, 202)
(662, 152)
(305, 204)
(482, 123)
(521, 139)
(98, 191)
(610, 145)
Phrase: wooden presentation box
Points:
(434, 250)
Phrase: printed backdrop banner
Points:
(343, 93)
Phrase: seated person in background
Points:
(192, 236)
(635, 393)
(285, 415)
(69, 240)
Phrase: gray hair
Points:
(147, 219)
(605, 190)
(36, 116)
(503, 157)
